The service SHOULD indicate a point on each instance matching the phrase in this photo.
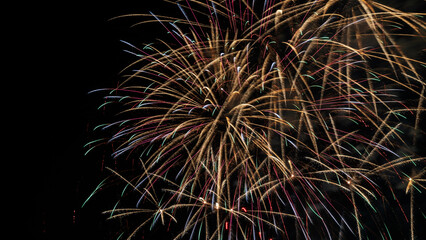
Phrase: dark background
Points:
(66, 50)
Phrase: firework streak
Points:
(270, 120)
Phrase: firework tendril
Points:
(270, 119)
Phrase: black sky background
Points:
(67, 50)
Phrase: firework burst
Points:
(271, 120)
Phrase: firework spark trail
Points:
(274, 114)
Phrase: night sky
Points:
(68, 50)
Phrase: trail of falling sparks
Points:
(276, 119)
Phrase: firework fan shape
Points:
(271, 120)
